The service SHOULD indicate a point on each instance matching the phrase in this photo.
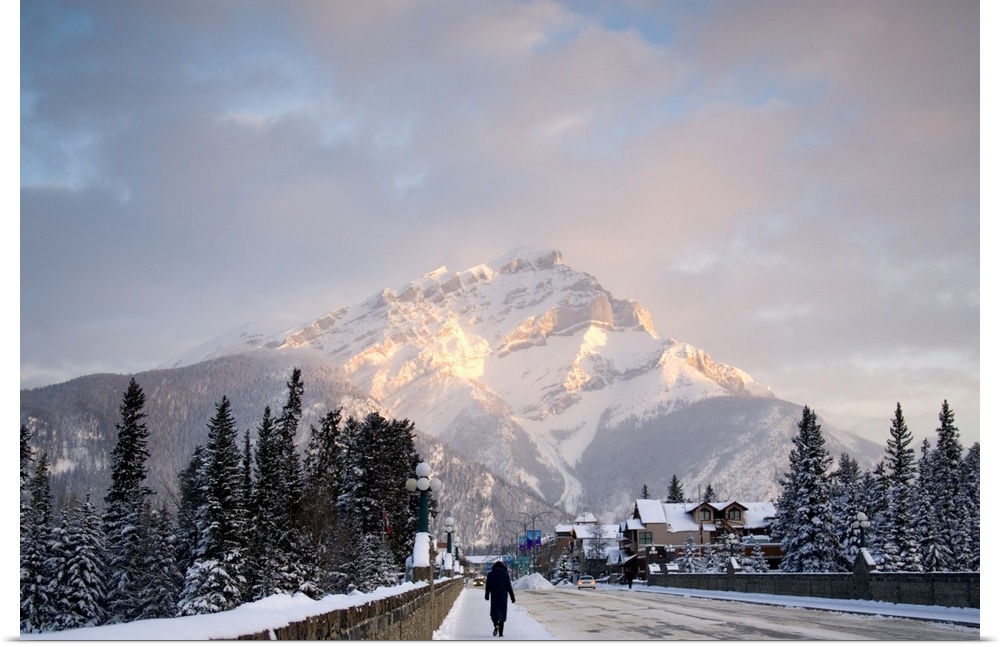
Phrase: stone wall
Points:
(410, 615)
(937, 589)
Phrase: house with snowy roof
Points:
(659, 529)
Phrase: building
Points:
(657, 531)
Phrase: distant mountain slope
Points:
(739, 445)
(74, 422)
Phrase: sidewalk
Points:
(469, 619)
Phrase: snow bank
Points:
(269, 613)
(534, 581)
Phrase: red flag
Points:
(385, 517)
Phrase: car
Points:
(479, 581)
(586, 582)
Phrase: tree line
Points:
(922, 512)
(255, 518)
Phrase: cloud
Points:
(790, 186)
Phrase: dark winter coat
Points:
(498, 585)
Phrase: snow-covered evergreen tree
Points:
(36, 527)
(192, 497)
(675, 493)
(376, 452)
(270, 519)
(322, 487)
(161, 579)
(756, 563)
(971, 482)
(55, 614)
(718, 557)
(216, 581)
(82, 571)
(845, 503)
(27, 455)
(805, 516)
(709, 494)
(690, 561)
(947, 489)
(935, 552)
(125, 500)
(899, 541)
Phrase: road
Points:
(634, 615)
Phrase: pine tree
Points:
(161, 580)
(757, 563)
(36, 526)
(845, 503)
(192, 498)
(269, 517)
(125, 500)
(644, 494)
(947, 490)
(247, 470)
(55, 613)
(899, 542)
(804, 513)
(375, 450)
(935, 552)
(296, 572)
(675, 493)
(971, 483)
(690, 561)
(322, 487)
(82, 570)
(27, 454)
(709, 495)
(216, 581)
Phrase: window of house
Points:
(706, 514)
(735, 514)
(645, 537)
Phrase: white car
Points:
(586, 582)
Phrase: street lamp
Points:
(532, 545)
(421, 543)
(449, 527)
(422, 484)
(860, 524)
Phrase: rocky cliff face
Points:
(515, 363)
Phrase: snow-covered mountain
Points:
(527, 365)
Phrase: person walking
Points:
(498, 584)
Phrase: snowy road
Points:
(563, 613)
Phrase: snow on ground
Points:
(270, 613)
(534, 581)
(469, 619)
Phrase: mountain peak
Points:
(524, 257)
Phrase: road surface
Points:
(634, 615)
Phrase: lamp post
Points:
(861, 522)
(421, 543)
(449, 527)
(517, 547)
(532, 545)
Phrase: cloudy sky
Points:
(792, 186)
